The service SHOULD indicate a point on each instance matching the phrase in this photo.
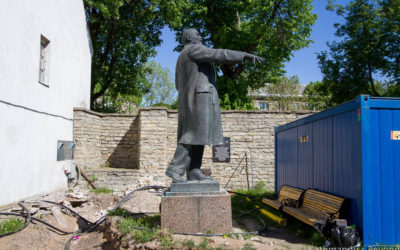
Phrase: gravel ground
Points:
(93, 206)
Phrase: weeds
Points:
(102, 190)
(248, 246)
(142, 229)
(93, 178)
(204, 244)
(118, 212)
(188, 243)
(165, 238)
(305, 232)
(11, 225)
(242, 204)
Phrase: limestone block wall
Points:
(145, 144)
(105, 140)
(248, 130)
(87, 137)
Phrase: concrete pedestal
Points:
(196, 212)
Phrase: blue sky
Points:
(304, 62)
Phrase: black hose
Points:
(69, 209)
(102, 219)
(196, 234)
(27, 220)
(97, 223)
(39, 220)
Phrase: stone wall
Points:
(147, 142)
(105, 139)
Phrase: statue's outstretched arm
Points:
(201, 53)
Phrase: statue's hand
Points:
(254, 58)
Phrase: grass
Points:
(93, 178)
(188, 243)
(142, 229)
(240, 204)
(146, 228)
(204, 244)
(248, 246)
(102, 190)
(119, 212)
(305, 232)
(11, 225)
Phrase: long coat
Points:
(199, 115)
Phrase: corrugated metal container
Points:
(352, 151)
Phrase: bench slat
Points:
(316, 206)
(285, 192)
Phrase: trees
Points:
(285, 92)
(369, 50)
(162, 89)
(318, 96)
(270, 29)
(124, 34)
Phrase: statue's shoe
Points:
(176, 178)
(197, 175)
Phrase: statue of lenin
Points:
(199, 115)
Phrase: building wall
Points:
(156, 142)
(272, 104)
(35, 116)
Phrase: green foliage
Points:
(141, 229)
(204, 244)
(248, 246)
(242, 204)
(318, 96)
(270, 29)
(285, 91)
(165, 238)
(174, 105)
(11, 225)
(368, 50)
(102, 190)
(118, 103)
(162, 90)
(305, 231)
(93, 178)
(188, 243)
(124, 35)
(118, 212)
(259, 188)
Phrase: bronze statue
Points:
(199, 115)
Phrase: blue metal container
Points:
(352, 151)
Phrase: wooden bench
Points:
(316, 206)
(285, 192)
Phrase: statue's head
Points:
(191, 35)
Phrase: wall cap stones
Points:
(176, 111)
(104, 114)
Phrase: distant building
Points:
(264, 100)
(45, 67)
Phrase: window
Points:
(44, 60)
(263, 105)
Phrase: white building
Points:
(45, 62)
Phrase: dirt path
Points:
(94, 206)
